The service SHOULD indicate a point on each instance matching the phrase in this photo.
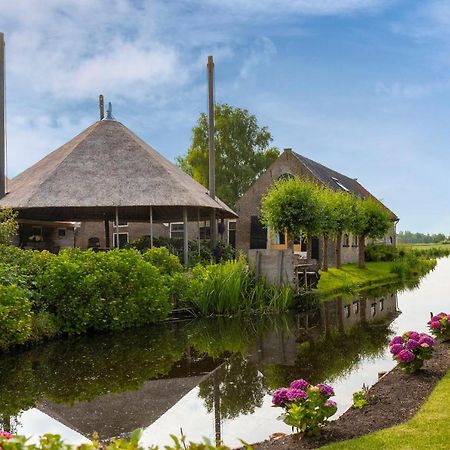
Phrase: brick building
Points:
(251, 234)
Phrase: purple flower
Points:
(396, 340)
(434, 324)
(414, 335)
(280, 396)
(405, 356)
(301, 384)
(412, 345)
(325, 389)
(331, 404)
(396, 348)
(295, 394)
(426, 340)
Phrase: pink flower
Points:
(405, 356)
(412, 345)
(301, 384)
(396, 340)
(280, 396)
(425, 339)
(396, 348)
(295, 394)
(5, 435)
(331, 404)
(414, 335)
(435, 325)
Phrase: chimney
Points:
(2, 119)
(101, 106)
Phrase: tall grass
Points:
(231, 288)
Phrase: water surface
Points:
(208, 377)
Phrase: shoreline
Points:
(390, 403)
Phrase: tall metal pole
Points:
(117, 228)
(185, 236)
(2, 119)
(101, 106)
(212, 150)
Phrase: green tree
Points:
(346, 205)
(8, 225)
(243, 152)
(292, 205)
(371, 220)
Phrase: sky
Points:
(362, 86)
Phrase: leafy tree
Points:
(243, 152)
(328, 225)
(292, 205)
(8, 225)
(345, 204)
(371, 220)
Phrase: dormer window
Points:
(340, 184)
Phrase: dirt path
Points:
(393, 400)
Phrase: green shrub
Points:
(377, 253)
(44, 325)
(15, 316)
(100, 291)
(166, 262)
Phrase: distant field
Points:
(425, 246)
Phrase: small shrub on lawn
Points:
(15, 316)
(307, 407)
(439, 326)
(166, 262)
(411, 350)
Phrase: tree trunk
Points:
(339, 251)
(325, 254)
(309, 247)
(361, 248)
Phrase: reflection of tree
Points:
(331, 355)
(240, 385)
(84, 368)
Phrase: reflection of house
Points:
(113, 415)
(251, 234)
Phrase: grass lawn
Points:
(424, 246)
(429, 429)
(351, 277)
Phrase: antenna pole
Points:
(101, 105)
(2, 119)
(212, 150)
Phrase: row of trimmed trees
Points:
(304, 209)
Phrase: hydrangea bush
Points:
(306, 406)
(411, 349)
(439, 326)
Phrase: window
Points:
(285, 176)
(122, 223)
(36, 231)
(177, 230)
(93, 242)
(61, 232)
(391, 240)
(123, 239)
(355, 307)
(373, 309)
(347, 311)
(346, 241)
(232, 234)
(278, 238)
(354, 241)
(340, 184)
(205, 232)
(382, 304)
(258, 234)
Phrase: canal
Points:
(211, 377)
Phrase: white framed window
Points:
(177, 230)
(123, 239)
(354, 241)
(346, 240)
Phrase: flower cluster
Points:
(306, 406)
(439, 326)
(411, 349)
(5, 435)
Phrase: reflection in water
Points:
(196, 375)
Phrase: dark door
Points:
(258, 234)
(315, 248)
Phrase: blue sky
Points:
(362, 86)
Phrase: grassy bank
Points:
(427, 430)
(350, 278)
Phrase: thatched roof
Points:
(106, 166)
